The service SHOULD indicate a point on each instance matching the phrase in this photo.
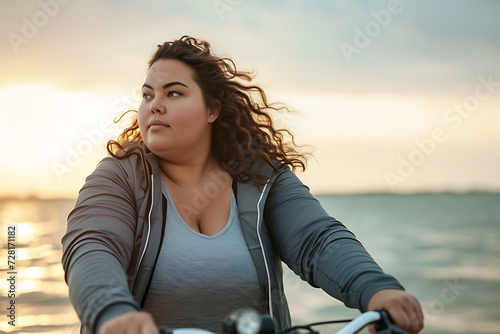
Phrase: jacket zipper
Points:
(269, 292)
(270, 303)
(149, 226)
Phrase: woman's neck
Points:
(190, 173)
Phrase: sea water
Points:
(444, 248)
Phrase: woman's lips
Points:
(157, 124)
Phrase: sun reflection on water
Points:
(42, 303)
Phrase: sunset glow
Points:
(368, 102)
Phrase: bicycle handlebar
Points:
(360, 322)
(386, 325)
(185, 331)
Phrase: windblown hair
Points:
(244, 130)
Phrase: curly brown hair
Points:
(244, 130)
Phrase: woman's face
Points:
(173, 118)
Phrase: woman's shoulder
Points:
(132, 155)
(127, 163)
(131, 165)
(267, 169)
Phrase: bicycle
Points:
(251, 322)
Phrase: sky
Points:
(391, 96)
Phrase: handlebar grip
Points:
(386, 325)
(164, 330)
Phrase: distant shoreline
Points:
(369, 193)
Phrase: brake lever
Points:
(387, 325)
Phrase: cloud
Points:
(425, 48)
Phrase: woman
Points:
(191, 216)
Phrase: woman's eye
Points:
(146, 96)
(174, 94)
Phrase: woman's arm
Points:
(320, 249)
(98, 245)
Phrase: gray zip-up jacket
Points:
(115, 232)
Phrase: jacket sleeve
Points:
(98, 244)
(320, 249)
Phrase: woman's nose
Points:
(157, 106)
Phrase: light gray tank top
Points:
(199, 279)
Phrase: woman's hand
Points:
(403, 308)
(130, 323)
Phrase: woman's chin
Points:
(157, 147)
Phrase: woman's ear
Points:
(214, 111)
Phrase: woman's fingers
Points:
(130, 323)
(417, 317)
(403, 308)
